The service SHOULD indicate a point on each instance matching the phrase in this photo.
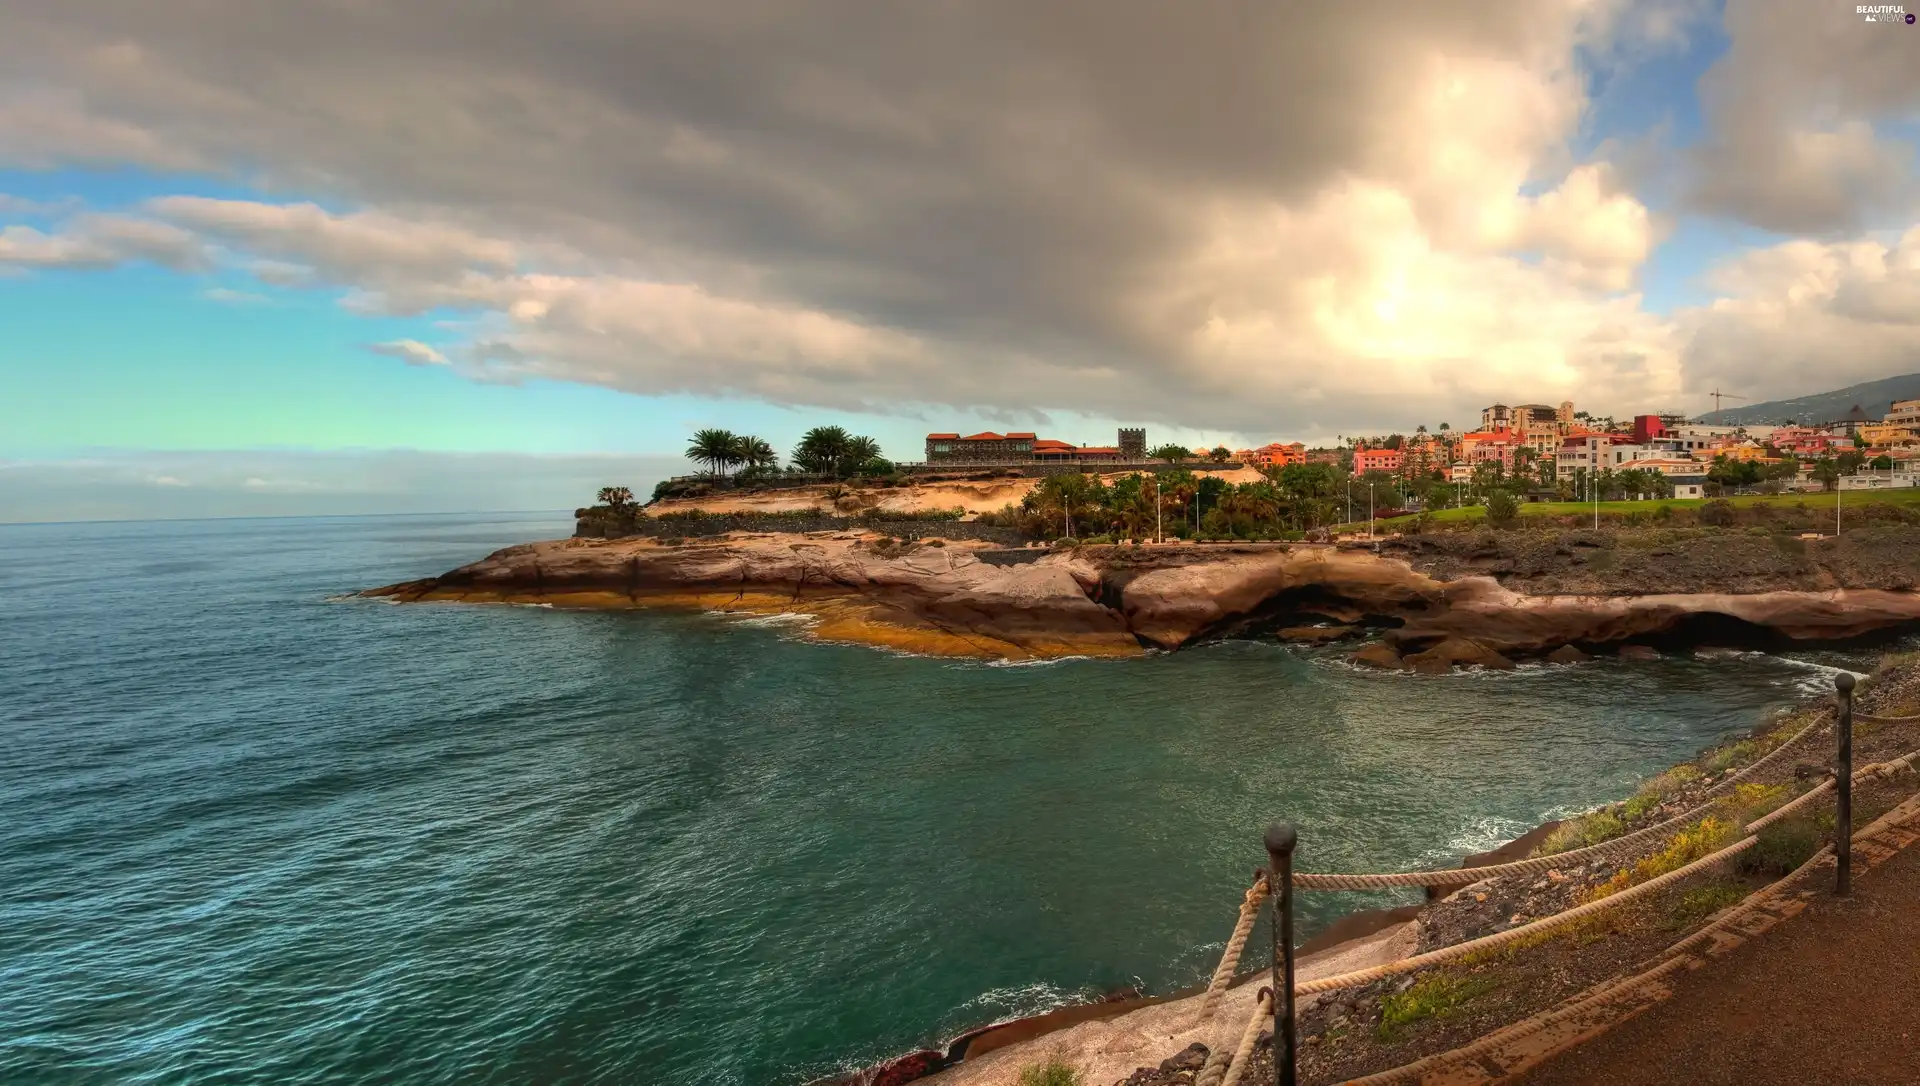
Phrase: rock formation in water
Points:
(1433, 609)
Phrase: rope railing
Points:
(1223, 1069)
(1236, 945)
(1466, 875)
(1502, 938)
(1280, 880)
(1875, 718)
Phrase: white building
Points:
(1879, 480)
(1688, 476)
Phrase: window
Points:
(942, 447)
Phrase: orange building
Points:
(1273, 455)
(1387, 460)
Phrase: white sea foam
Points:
(785, 618)
(1023, 1000)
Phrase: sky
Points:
(272, 257)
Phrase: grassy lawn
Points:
(1902, 496)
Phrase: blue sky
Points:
(207, 267)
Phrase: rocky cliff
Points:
(1432, 606)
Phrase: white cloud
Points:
(411, 351)
(1807, 315)
(166, 480)
(102, 241)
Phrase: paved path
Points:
(1831, 996)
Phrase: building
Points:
(1274, 455)
(1880, 480)
(1538, 426)
(1493, 450)
(1885, 434)
(1808, 441)
(1904, 413)
(1386, 460)
(1851, 422)
(989, 447)
(1689, 477)
(1460, 473)
(1648, 427)
(1747, 450)
(1497, 417)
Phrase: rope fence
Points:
(1466, 875)
(1276, 884)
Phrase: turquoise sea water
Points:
(250, 833)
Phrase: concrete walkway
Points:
(1832, 996)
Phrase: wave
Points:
(1026, 1000)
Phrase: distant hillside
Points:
(1874, 398)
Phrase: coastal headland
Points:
(1423, 602)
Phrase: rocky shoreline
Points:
(1425, 603)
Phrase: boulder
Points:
(1567, 654)
(1379, 656)
(1457, 650)
(1639, 652)
(1314, 635)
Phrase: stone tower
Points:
(1133, 444)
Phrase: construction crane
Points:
(1718, 396)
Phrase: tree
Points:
(1220, 454)
(1883, 462)
(822, 450)
(616, 498)
(754, 452)
(717, 449)
(1826, 471)
(1501, 508)
(1174, 453)
(856, 454)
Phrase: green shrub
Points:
(1728, 757)
(1050, 1073)
(1782, 847)
(1434, 995)
(1587, 829)
(1719, 513)
(1703, 901)
(1690, 844)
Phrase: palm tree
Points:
(754, 452)
(616, 497)
(821, 449)
(857, 452)
(717, 449)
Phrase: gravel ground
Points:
(1828, 997)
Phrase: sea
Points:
(255, 831)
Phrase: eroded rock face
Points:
(1115, 600)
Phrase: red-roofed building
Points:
(1022, 447)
